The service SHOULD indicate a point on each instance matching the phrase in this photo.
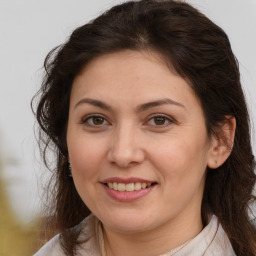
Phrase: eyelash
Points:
(85, 120)
(165, 118)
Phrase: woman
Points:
(145, 111)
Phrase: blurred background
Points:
(29, 29)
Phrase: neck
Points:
(153, 242)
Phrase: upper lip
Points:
(127, 180)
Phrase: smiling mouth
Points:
(129, 187)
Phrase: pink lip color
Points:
(125, 196)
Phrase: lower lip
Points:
(124, 196)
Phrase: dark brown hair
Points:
(200, 52)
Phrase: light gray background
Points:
(29, 29)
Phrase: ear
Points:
(222, 143)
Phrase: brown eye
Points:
(97, 120)
(159, 120)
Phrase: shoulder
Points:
(220, 243)
(211, 241)
(51, 248)
(88, 234)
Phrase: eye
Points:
(95, 121)
(160, 121)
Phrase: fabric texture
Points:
(211, 241)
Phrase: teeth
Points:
(115, 186)
(137, 186)
(121, 187)
(128, 187)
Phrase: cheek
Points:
(181, 160)
(86, 160)
(182, 170)
(85, 155)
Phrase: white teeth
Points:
(121, 187)
(137, 186)
(115, 186)
(128, 187)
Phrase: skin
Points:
(173, 151)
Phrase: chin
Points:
(127, 223)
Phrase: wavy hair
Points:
(200, 52)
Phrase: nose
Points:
(125, 148)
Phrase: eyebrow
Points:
(96, 103)
(157, 103)
(140, 108)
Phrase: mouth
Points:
(129, 187)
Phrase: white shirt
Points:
(211, 241)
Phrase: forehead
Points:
(127, 62)
(131, 74)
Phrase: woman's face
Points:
(137, 142)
